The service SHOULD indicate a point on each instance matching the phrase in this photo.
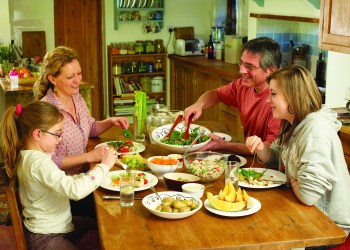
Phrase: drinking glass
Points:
(139, 129)
(232, 173)
(127, 189)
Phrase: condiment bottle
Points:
(14, 78)
(320, 71)
(210, 48)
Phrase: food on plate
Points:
(122, 146)
(253, 177)
(176, 138)
(163, 160)
(170, 205)
(208, 169)
(140, 180)
(230, 200)
(134, 161)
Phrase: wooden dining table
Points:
(283, 222)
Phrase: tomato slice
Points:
(145, 181)
(123, 150)
(128, 143)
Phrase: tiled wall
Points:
(299, 32)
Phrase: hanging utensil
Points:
(177, 121)
(187, 134)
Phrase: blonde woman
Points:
(308, 145)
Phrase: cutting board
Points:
(186, 33)
(33, 44)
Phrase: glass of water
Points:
(232, 173)
(127, 189)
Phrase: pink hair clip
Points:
(18, 109)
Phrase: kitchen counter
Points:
(24, 94)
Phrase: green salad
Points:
(176, 138)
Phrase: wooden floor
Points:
(7, 241)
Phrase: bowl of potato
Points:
(174, 205)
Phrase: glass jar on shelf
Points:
(159, 46)
(131, 48)
(149, 46)
(139, 47)
(159, 65)
(159, 116)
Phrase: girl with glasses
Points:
(29, 134)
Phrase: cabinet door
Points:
(334, 24)
(205, 82)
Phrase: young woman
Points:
(308, 145)
(29, 134)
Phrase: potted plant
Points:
(5, 60)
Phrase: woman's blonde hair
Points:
(53, 62)
(301, 92)
(17, 127)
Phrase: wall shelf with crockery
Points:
(142, 11)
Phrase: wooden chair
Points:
(15, 209)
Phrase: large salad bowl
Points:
(160, 132)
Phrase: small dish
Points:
(196, 189)
(175, 180)
(160, 169)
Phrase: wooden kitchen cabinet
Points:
(192, 76)
(334, 27)
(116, 73)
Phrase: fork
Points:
(250, 168)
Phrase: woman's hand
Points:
(95, 155)
(109, 157)
(120, 122)
(254, 143)
(216, 143)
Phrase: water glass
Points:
(127, 189)
(232, 173)
(139, 129)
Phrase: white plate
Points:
(242, 159)
(270, 174)
(139, 147)
(107, 182)
(256, 207)
(151, 201)
(224, 136)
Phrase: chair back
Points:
(15, 209)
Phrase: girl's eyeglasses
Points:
(54, 134)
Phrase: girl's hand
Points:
(254, 143)
(109, 157)
(95, 155)
(120, 122)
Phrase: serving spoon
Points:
(155, 191)
(177, 121)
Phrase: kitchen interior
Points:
(182, 27)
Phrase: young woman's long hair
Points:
(301, 92)
(17, 127)
(53, 62)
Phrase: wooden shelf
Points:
(286, 18)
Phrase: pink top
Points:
(255, 112)
(75, 135)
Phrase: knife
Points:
(111, 197)
(275, 181)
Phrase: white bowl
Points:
(158, 169)
(196, 189)
(151, 201)
(179, 157)
(160, 132)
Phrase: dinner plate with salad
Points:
(125, 147)
(143, 180)
(261, 178)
